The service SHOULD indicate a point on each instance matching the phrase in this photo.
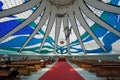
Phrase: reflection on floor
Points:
(82, 72)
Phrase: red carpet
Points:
(61, 71)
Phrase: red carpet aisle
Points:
(61, 71)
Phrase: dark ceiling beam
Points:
(57, 32)
(40, 24)
(84, 24)
(66, 24)
(103, 6)
(75, 29)
(18, 9)
(96, 19)
(26, 22)
(49, 27)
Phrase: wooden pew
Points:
(109, 72)
(5, 75)
(26, 67)
(108, 69)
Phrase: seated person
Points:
(13, 72)
(5, 59)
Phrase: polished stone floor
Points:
(85, 74)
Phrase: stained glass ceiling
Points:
(60, 26)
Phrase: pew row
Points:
(108, 69)
(24, 67)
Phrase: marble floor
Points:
(85, 74)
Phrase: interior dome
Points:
(62, 2)
(36, 26)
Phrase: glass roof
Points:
(59, 35)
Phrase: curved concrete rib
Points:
(75, 28)
(96, 19)
(86, 27)
(49, 27)
(20, 8)
(103, 6)
(57, 32)
(65, 24)
(40, 24)
(27, 21)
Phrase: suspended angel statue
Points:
(68, 30)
